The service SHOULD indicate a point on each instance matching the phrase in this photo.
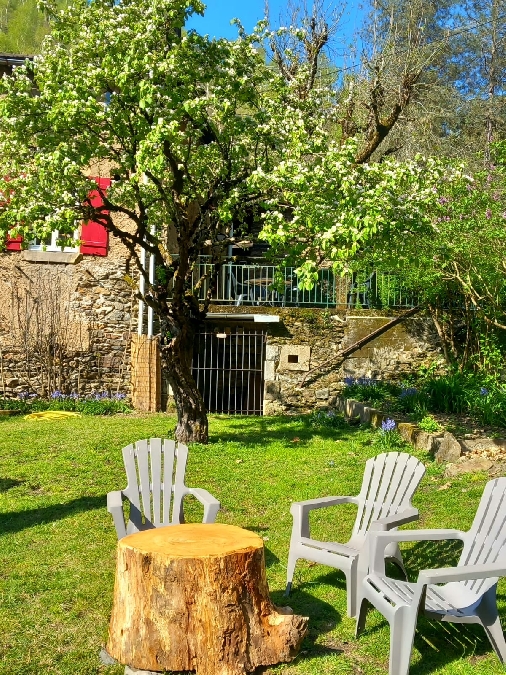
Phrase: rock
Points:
(426, 441)
(13, 382)
(468, 466)
(447, 449)
(106, 659)
(322, 394)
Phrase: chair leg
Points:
(489, 619)
(402, 635)
(362, 616)
(351, 589)
(292, 561)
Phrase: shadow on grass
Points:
(21, 520)
(323, 618)
(9, 483)
(282, 428)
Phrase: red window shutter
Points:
(94, 236)
(13, 243)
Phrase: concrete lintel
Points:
(61, 257)
(256, 318)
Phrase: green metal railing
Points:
(256, 282)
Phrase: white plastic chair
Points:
(469, 591)
(155, 471)
(384, 503)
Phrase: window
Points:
(50, 243)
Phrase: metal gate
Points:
(228, 367)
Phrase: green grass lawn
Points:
(57, 541)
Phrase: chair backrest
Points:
(390, 480)
(485, 542)
(155, 471)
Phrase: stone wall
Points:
(84, 311)
(303, 370)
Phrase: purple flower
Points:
(367, 382)
(119, 397)
(443, 200)
(488, 214)
(409, 391)
(484, 391)
(349, 381)
(388, 425)
(23, 395)
(57, 394)
(74, 395)
(469, 187)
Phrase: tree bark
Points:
(192, 424)
(195, 597)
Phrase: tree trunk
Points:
(195, 597)
(192, 425)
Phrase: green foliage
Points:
(22, 26)
(327, 419)
(458, 392)
(94, 404)
(429, 424)
(369, 390)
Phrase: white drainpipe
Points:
(151, 281)
(142, 289)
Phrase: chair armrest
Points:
(378, 541)
(211, 504)
(301, 510)
(115, 508)
(463, 573)
(320, 503)
(395, 520)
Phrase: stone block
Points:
(408, 431)
(376, 418)
(447, 449)
(272, 352)
(322, 394)
(294, 357)
(269, 370)
(272, 390)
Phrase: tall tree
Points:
(182, 119)
(458, 108)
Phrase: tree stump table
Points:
(195, 597)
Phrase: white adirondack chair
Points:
(469, 591)
(384, 503)
(155, 471)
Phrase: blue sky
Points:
(216, 21)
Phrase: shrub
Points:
(330, 419)
(429, 424)
(368, 390)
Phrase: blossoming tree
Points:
(195, 131)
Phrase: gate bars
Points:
(228, 367)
